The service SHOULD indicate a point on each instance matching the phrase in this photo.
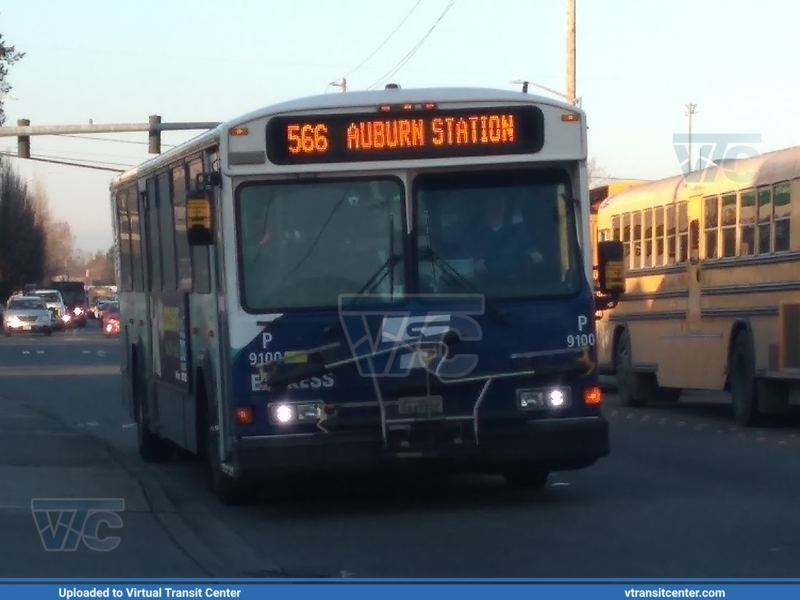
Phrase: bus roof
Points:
(726, 176)
(360, 99)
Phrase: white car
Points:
(27, 313)
(55, 303)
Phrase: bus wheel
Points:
(152, 448)
(743, 383)
(228, 490)
(521, 478)
(627, 378)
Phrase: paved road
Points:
(686, 494)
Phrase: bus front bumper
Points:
(557, 444)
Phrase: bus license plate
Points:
(26, 328)
(421, 406)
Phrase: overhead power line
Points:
(413, 50)
(54, 161)
(116, 141)
(386, 41)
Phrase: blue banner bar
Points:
(366, 589)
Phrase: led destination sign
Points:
(405, 135)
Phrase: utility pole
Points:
(571, 78)
(691, 110)
(342, 83)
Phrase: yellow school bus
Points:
(712, 296)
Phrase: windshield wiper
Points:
(458, 279)
(385, 270)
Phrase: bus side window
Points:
(672, 235)
(153, 237)
(683, 232)
(181, 241)
(137, 255)
(201, 268)
(658, 213)
(694, 240)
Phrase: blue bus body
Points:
(351, 396)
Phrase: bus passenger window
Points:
(747, 223)
(683, 232)
(615, 228)
(729, 225)
(764, 220)
(712, 227)
(648, 237)
(626, 237)
(636, 259)
(672, 235)
(659, 227)
(782, 217)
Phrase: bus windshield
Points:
(301, 245)
(504, 234)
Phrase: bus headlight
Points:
(285, 413)
(538, 399)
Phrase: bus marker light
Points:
(592, 396)
(244, 415)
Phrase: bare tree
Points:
(598, 175)
(59, 246)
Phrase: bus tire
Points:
(152, 447)
(628, 381)
(525, 478)
(230, 491)
(743, 382)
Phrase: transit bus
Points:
(713, 296)
(314, 286)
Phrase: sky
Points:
(638, 64)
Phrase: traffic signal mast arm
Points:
(24, 130)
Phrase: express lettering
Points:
(312, 383)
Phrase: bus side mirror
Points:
(611, 267)
(199, 218)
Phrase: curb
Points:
(222, 554)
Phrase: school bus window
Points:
(764, 220)
(728, 225)
(626, 237)
(658, 225)
(605, 235)
(647, 226)
(683, 232)
(672, 235)
(637, 240)
(782, 205)
(747, 223)
(615, 227)
(712, 226)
